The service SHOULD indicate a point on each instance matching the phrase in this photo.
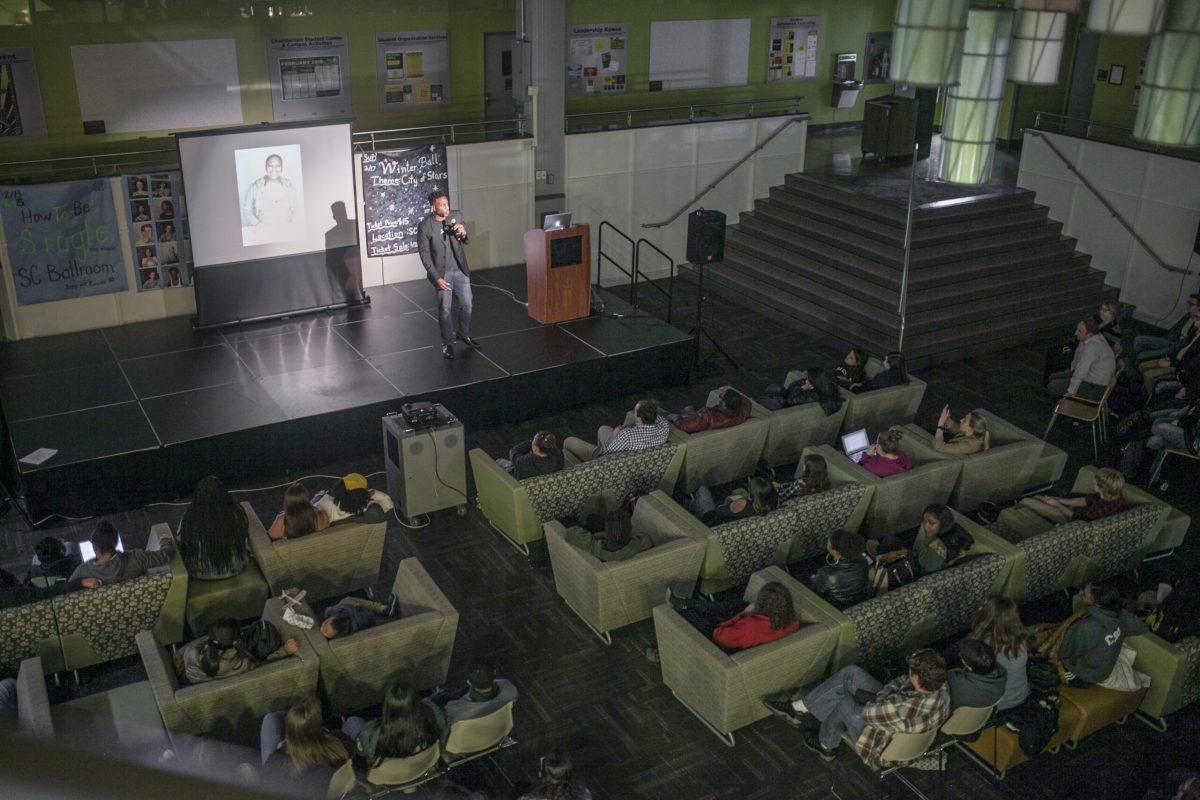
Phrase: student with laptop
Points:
(112, 565)
(884, 458)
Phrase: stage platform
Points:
(138, 413)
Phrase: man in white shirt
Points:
(1091, 368)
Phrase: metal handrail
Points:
(1108, 206)
(637, 265)
(693, 111)
(450, 131)
(902, 308)
(726, 173)
(601, 256)
(1124, 133)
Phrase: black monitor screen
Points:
(393, 448)
(566, 251)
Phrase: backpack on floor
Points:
(1179, 615)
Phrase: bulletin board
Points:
(130, 87)
(699, 54)
(413, 68)
(310, 77)
(596, 59)
(793, 49)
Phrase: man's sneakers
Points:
(812, 740)
(678, 602)
(447, 351)
(469, 342)
(781, 706)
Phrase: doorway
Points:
(498, 82)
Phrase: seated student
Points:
(760, 498)
(980, 682)
(539, 456)
(350, 498)
(298, 517)
(1174, 430)
(852, 701)
(54, 563)
(227, 650)
(557, 780)
(892, 374)
(731, 410)
(1107, 324)
(999, 625)
(1085, 646)
(937, 542)
(297, 750)
(771, 616)
(1171, 371)
(483, 694)
(353, 614)
(14, 593)
(1092, 365)
(1149, 348)
(843, 580)
(968, 435)
(810, 386)
(813, 479)
(213, 534)
(616, 541)
(852, 370)
(649, 429)
(405, 727)
(885, 458)
(1107, 498)
(113, 566)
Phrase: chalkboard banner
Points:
(396, 186)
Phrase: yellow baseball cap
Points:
(354, 481)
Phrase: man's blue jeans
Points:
(460, 290)
(832, 702)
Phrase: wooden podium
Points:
(558, 273)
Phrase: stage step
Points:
(984, 274)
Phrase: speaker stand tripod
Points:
(698, 330)
(7, 498)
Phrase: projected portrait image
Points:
(270, 184)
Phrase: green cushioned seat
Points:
(240, 597)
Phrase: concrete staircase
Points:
(986, 272)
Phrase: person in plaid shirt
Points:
(649, 429)
(853, 701)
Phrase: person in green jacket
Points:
(1092, 643)
(618, 541)
(939, 540)
(980, 682)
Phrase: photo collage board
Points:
(158, 232)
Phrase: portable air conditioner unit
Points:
(426, 467)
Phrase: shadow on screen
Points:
(341, 255)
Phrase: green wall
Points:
(844, 28)
(1114, 104)
(51, 36)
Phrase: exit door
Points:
(498, 82)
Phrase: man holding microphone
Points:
(440, 241)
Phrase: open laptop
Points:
(87, 552)
(855, 444)
(556, 222)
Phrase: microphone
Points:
(448, 226)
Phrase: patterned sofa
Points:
(723, 455)
(417, 646)
(1069, 555)
(880, 409)
(899, 499)
(790, 430)
(338, 560)
(998, 474)
(518, 509)
(1051, 460)
(885, 628)
(725, 690)
(610, 595)
(795, 530)
(1174, 671)
(230, 709)
(30, 631)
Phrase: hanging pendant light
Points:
(1037, 47)
(927, 41)
(1126, 17)
(1169, 107)
(973, 106)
